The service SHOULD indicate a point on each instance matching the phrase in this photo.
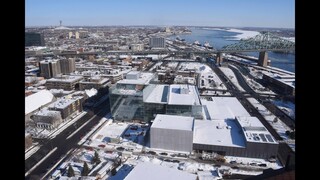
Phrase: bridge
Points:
(261, 43)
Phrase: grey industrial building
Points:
(283, 83)
(244, 136)
(172, 133)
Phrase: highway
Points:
(61, 144)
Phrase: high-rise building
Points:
(157, 42)
(67, 66)
(77, 35)
(70, 35)
(34, 39)
(50, 68)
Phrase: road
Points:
(263, 100)
(284, 150)
(63, 144)
(242, 97)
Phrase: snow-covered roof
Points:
(173, 122)
(36, 100)
(49, 61)
(223, 108)
(158, 94)
(91, 92)
(47, 112)
(147, 171)
(113, 130)
(218, 132)
(254, 130)
(64, 102)
(65, 78)
(183, 94)
(143, 79)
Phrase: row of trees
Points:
(85, 171)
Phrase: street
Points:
(63, 144)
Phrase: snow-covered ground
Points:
(232, 77)
(155, 66)
(208, 79)
(214, 93)
(293, 39)
(257, 87)
(286, 106)
(255, 72)
(244, 34)
(257, 161)
(279, 126)
(172, 65)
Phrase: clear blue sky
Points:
(231, 13)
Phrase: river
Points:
(220, 38)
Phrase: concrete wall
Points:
(177, 140)
(253, 150)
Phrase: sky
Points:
(223, 13)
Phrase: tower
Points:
(60, 23)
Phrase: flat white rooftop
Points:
(147, 171)
(36, 100)
(143, 79)
(47, 112)
(113, 130)
(218, 132)
(183, 94)
(158, 94)
(254, 130)
(223, 108)
(173, 122)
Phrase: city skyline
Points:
(246, 13)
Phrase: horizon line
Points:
(157, 26)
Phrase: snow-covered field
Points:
(232, 77)
(286, 107)
(244, 34)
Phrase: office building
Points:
(172, 133)
(50, 68)
(47, 119)
(157, 42)
(34, 39)
(67, 66)
(67, 106)
(126, 97)
(96, 82)
(65, 82)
